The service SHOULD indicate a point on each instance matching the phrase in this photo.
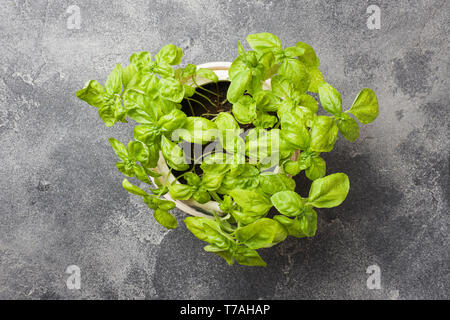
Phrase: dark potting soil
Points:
(207, 105)
(204, 108)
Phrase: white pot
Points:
(192, 207)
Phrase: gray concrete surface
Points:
(61, 202)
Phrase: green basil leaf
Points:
(323, 134)
(244, 110)
(169, 54)
(207, 230)
(264, 120)
(308, 102)
(212, 181)
(305, 159)
(192, 179)
(153, 157)
(151, 171)
(348, 127)
(228, 133)
(308, 57)
(251, 201)
(173, 154)
(288, 203)
(273, 183)
(128, 73)
(225, 225)
(207, 74)
(291, 225)
(330, 99)
(132, 188)
(165, 219)
(226, 205)
(227, 255)
(148, 134)
(136, 100)
(262, 233)
(302, 226)
(286, 106)
(171, 89)
(308, 222)
(215, 164)
(248, 257)
(151, 202)
(180, 191)
(141, 116)
(293, 52)
(242, 176)
(172, 120)
(365, 106)
(238, 85)
(201, 196)
(267, 101)
(297, 73)
(241, 51)
(283, 88)
(120, 112)
(165, 204)
(165, 70)
(188, 91)
(317, 169)
(293, 130)
(92, 93)
(264, 145)
(141, 174)
(198, 130)
(150, 84)
(256, 82)
(317, 79)
(113, 84)
(138, 150)
(264, 41)
(308, 117)
(245, 218)
(189, 70)
(161, 190)
(119, 148)
(233, 143)
(140, 59)
(291, 167)
(108, 114)
(251, 59)
(126, 168)
(329, 191)
(266, 64)
(225, 121)
(236, 67)
(166, 106)
(243, 170)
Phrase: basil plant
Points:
(274, 93)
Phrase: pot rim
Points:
(216, 65)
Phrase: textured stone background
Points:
(61, 201)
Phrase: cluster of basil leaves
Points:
(149, 91)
